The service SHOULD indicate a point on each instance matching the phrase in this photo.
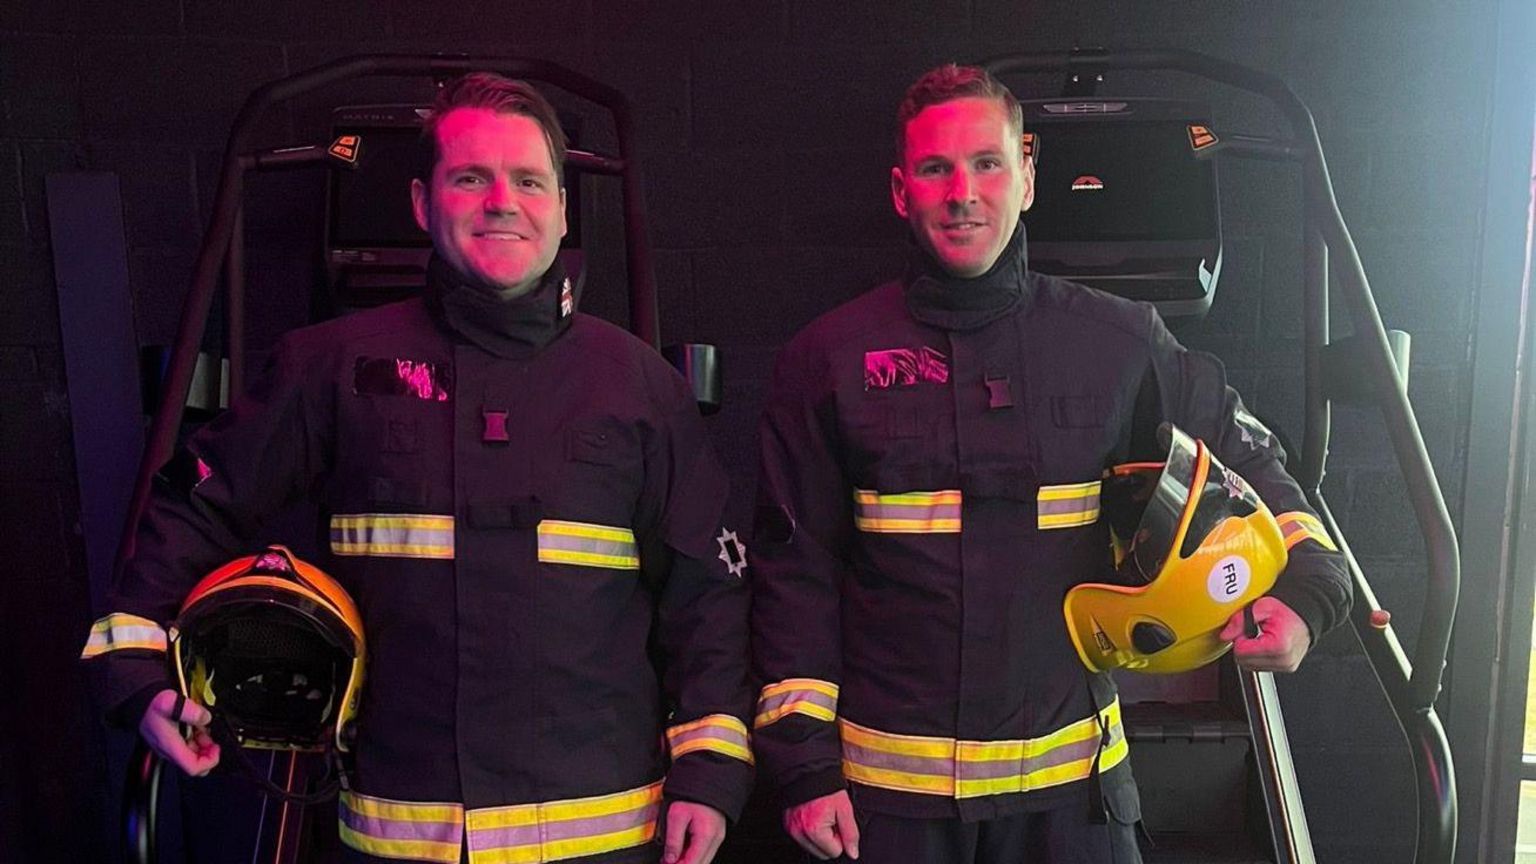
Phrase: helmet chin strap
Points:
(327, 785)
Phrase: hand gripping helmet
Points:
(1193, 544)
(274, 648)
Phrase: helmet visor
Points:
(1156, 499)
(1145, 503)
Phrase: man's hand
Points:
(824, 826)
(694, 833)
(1282, 641)
(160, 727)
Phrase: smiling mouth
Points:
(962, 226)
(500, 235)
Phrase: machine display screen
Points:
(1120, 180)
(371, 207)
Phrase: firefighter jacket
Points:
(928, 491)
(524, 505)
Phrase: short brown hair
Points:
(950, 82)
(497, 93)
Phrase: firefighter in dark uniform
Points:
(523, 502)
(928, 491)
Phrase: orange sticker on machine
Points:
(1027, 144)
(345, 147)
(1201, 137)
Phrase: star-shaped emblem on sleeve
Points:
(732, 551)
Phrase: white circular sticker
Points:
(1229, 579)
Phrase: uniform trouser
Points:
(1062, 836)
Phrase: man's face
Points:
(962, 183)
(494, 207)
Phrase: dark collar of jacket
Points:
(515, 328)
(950, 302)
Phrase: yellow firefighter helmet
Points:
(1193, 544)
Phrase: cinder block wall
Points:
(765, 139)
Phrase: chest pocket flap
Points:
(1081, 412)
(596, 443)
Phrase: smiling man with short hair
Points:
(524, 503)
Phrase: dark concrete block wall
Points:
(766, 130)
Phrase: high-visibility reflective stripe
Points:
(1298, 526)
(1067, 506)
(392, 535)
(518, 834)
(557, 830)
(120, 632)
(587, 545)
(401, 829)
(971, 769)
(907, 512)
(717, 733)
(809, 696)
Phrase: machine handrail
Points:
(1412, 687)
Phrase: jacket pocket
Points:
(1122, 803)
(522, 513)
(601, 476)
(588, 740)
(391, 494)
(593, 444)
(1081, 412)
(897, 477)
(1121, 798)
(1008, 483)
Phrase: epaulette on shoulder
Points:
(875, 309)
(1055, 295)
(361, 324)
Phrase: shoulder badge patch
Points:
(904, 367)
(732, 551)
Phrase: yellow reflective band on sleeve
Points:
(809, 696)
(907, 512)
(716, 733)
(121, 632)
(401, 829)
(971, 769)
(1068, 506)
(392, 535)
(588, 545)
(1298, 526)
(558, 830)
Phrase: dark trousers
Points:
(1062, 836)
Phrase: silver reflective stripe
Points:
(907, 512)
(953, 768)
(121, 631)
(402, 829)
(392, 535)
(1068, 505)
(809, 696)
(588, 545)
(558, 830)
(717, 733)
